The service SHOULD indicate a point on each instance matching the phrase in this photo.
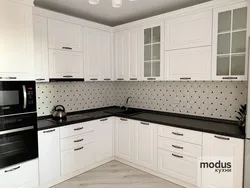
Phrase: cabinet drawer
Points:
(183, 148)
(76, 129)
(76, 141)
(77, 158)
(23, 175)
(180, 167)
(180, 134)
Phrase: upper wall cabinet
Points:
(16, 41)
(41, 48)
(64, 64)
(65, 36)
(121, 55)
(153, 52)
(189, 31)
(230, 42)
(98, 62)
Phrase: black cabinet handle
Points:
(123, 119)
(151, 78)
(93, 79)
(177, 147)
(221, 138)
(11, 77)
(185, 78)
(13, 169)
(79, 140)
(133, 78)
(177, 134)
(144, 123)
(78, 129)
(104, 119)
(49, 131)
(79, 149)
(40, 79)
(229, 78)
(178, 156)
(66, 48)
(67, 76)
(120, 79)
(107, 79)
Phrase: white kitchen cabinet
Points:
(77, 158)
(188, 64)
(222, 149)
(64, 64)
(146, 145)
(153, 52)
(41, 48)
(230, 42)
(98, 63)
(65, 36)
(189, 31)
(49, 155)
(23, 175)
(134, 54)
(121, 55)
(104, 139)
(124, 139)
(179, 167)
(16, 41)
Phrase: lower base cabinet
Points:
(179, 167)
(23, 175)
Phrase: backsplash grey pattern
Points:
(210, 99)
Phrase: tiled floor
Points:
(116, 175)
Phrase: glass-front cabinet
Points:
(153, 52)
(230, 43)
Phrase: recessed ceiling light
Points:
(93, 2)
(117, 3)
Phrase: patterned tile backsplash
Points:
(211, 99)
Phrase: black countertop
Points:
(196, 123)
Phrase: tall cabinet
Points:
(230, 42)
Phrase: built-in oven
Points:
(18, 139)
(17, 97)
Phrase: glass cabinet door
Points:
(231, 43)
(152, 53)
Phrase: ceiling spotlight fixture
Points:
(116, 3)
(94, 2)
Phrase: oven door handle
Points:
(24, 97)
(16, 130)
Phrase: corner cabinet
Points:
(230, 42)
(16, 41)
(153, 52)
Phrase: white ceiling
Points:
(104, 12)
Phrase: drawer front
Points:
(183, 148)
(20, 175)
(76, 141)
(180, 134)
(76, 129)
(180, 167)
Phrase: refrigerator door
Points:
(247, 164)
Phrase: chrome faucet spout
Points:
(126, 104)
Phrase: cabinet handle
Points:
(104, 119)
(49, 131)
(230, 78)
(133, 78)
(79, 149)
(78, 129)
(178, 156)
(66, 48)
(93, 79)
(40, 79)
(222, 138)
(123, 119)
(79, 140)
(120, 79)
(67, 76)
(177, 147)
(107, 79)
(177, 134)
(144, 123)
(185, 78)
(12, 78)
(13, 169)
(151, 78)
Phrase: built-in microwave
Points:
(17, 97)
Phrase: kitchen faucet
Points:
(126, 104)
